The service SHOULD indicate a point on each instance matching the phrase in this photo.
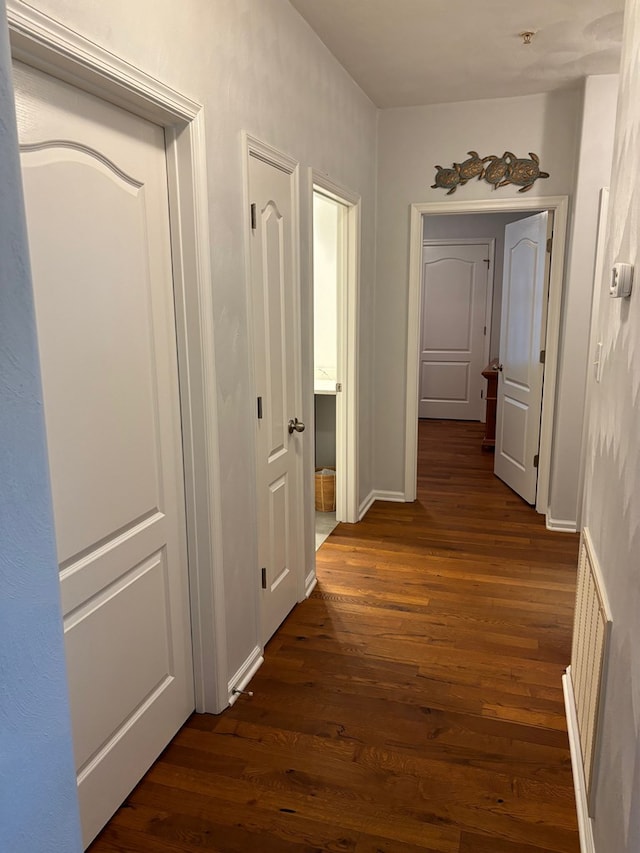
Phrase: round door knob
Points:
(499, 367)
(295, 426)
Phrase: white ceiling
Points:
(410, 52)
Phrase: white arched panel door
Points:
(279, 430)
(97, 214)
(522, 341)
(453, 330)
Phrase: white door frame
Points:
(348, 301)
(50, 46)
(254, 147)
(558, 205)
(490, 243)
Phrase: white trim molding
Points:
(244, 674)
(48, 45)
(561, 525)
(585, 825)
(393, 497)
(310, 584)
(558, 205)
(380, 495)
(366, 505)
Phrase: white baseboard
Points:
(585, 827)
(365, 506)
(244, 675)
(310, 584)
(394, 497)
(561, 525)
(379, 495)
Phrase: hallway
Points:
(413, 703)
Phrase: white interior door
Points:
(522, 336)
(453, 333)
(276, 331)
(96, 197)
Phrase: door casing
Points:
(50, 46)
(559, 205)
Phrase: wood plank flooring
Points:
(413, 703)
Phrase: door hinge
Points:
(481, 394)
(549, 244)
(536, 460)
(253, 217)
(264, 578)
(338, 387)
(543, 355)
(485, 331)
(259, 408)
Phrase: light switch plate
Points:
(621, 280)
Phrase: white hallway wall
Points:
(411, 141)
(256, 66)
(593, 173)
(612, 510)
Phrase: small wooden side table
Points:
(490, 373)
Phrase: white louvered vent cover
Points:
(591, 630)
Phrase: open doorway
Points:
(462, 264)
(335, 284)
(449, 339)
(459, 378)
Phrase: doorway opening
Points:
(328, 281)
(449, 338)
(335, 234)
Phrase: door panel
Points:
(277, 378)
(117, 689)
(454, 303)
(95, 311)
(522, 334)
(96, 199)
(442, 380)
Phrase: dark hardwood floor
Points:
(413, 703)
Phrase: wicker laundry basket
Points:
(325, 490)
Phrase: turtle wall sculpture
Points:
(472, 167)
(447, 178)
(502, 171)
(524, 172)
(497, 169)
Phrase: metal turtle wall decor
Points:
(522, 172)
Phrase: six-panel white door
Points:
(455, 285)
(97, 213)
(276, 333)
(522, 335)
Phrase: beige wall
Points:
(612, 507)
(256, 66)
